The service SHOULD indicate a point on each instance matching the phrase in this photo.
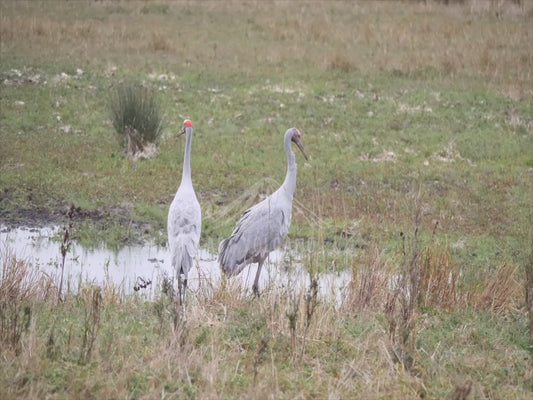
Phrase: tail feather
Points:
(181, 260)
(229, 262)
(224, 265)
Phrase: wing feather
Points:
(261, 229)
(184, 229)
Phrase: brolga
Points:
(263, 227)
(184, 220)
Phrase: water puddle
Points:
(133, 265)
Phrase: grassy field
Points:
(418, 119)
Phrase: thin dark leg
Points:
(255, 287)
(184, 288)
(179, 290)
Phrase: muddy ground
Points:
(17, 211)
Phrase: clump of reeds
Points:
(92, 299)
(438, 277)
(370, 283)
(137, 118)
(20, 287)
(401, 305)
(502, 290)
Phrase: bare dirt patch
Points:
(15, 213)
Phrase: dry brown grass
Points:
(438, 279)
(371, 282)
(528, 267)
(230, 344)
(21, 286)
(410, 37)
(502, 291)
(442, 284)
(160, 42)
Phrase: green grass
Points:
(134, 107)
(228, 339)
(406, 108)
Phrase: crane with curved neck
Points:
(263, 227)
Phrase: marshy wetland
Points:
(407, 262)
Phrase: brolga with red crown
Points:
(184, 220)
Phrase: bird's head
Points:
(187, 124)
(297, 138)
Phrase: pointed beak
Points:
(301, 147)
(181, 132)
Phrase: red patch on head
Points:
(188, 123)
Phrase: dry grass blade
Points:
(20, 287)
(438, 281)
(259, 357)
(370, 282)
(462, 391)
(529, 295)
(503, 291)
(93, 310)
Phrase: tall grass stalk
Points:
(529, 294)
(65, 248)
(93, 305)
(21, 288)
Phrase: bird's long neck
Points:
(186, 176)
(290, 179)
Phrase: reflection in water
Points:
(138, 265)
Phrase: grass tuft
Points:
(502, 290)
(136, 116)
(160, 42)
(21, 288)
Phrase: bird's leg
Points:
(184, 288)
(255, 287)
(182, 285)
(179, 304)
(179, 289)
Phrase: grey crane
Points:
(184, 220)
(263, 227)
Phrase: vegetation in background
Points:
(136, 117)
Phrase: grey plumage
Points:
(184, 220)
(263, 227)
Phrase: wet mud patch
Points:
(98, 225)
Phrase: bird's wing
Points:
(260, 230)
(184, 229)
